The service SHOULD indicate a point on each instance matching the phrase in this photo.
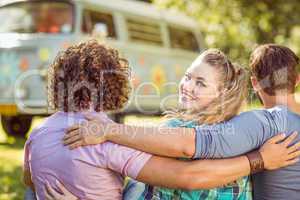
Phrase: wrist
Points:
(256, 161)
(111, 131)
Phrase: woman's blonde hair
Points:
(232, 87)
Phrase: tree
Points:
(237, 26)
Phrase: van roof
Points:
(139, 8)
(6, 2)
(146, 10)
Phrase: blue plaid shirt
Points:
(239, 190)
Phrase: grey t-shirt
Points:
(247, 132)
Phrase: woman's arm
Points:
(204, 174)
(162, 141)
(26, 170)
(27, 179)
(192, 175)
(171, 173)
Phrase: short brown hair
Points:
(87, 73)
(274, 66)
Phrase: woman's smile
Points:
(186, 96)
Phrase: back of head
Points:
(89, 75)
(275, 67)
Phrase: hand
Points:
(90, 132)
(277, 152)
(51, 194)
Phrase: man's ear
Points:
(254, 83)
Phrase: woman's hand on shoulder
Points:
(90, 132)
(278, 152)
(51, 194)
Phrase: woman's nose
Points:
(188, 86)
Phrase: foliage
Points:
(11, 158)
(11, 161)
(237, 26)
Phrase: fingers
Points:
(294, 155)
(291, 162)
(276, 139)
(75, 145)
(294, 147)
(290, 139)
(71, 134)
(51, 192)
(61, 187)
(72, 140)
(73, 128)
(90, 117)
(47, 195)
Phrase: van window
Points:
(147, 32)
(183, 39)
(51, 17)
(95, 21)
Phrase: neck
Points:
(288, 100)
(90, 109)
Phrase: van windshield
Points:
(37, 17)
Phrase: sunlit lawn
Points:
(10, 171)
(11, 158)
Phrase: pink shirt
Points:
(91, 172)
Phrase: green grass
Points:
(10, 170)
(11, 159)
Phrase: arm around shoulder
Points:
(191, 175)
(163, 141)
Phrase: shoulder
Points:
(113, 148)
(175, 122)
(276, 113)
(273, 117)
(253, 115)
(35, 132)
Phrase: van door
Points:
(159, 57)
(146, 50)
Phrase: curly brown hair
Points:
(88, 75)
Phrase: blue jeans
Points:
(29, 195)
